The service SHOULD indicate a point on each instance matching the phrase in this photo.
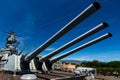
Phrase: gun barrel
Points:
(83, 15)
(76, 40)
(82, 46)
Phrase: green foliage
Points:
(95, 63)
(108, 70)
(115, 64)
(104, 68)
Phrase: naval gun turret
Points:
(32, 62)
(78, 19)
(45, 63)
(47, 58)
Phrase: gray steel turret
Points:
(16, 61)
(47, 59)
(44, 63)
(24, 62)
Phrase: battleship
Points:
(13, 60)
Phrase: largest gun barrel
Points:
(76, 40)
(83, 15)
(82, 46)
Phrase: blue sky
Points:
(37, 20)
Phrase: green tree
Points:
(95, 63)
(115, 64)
